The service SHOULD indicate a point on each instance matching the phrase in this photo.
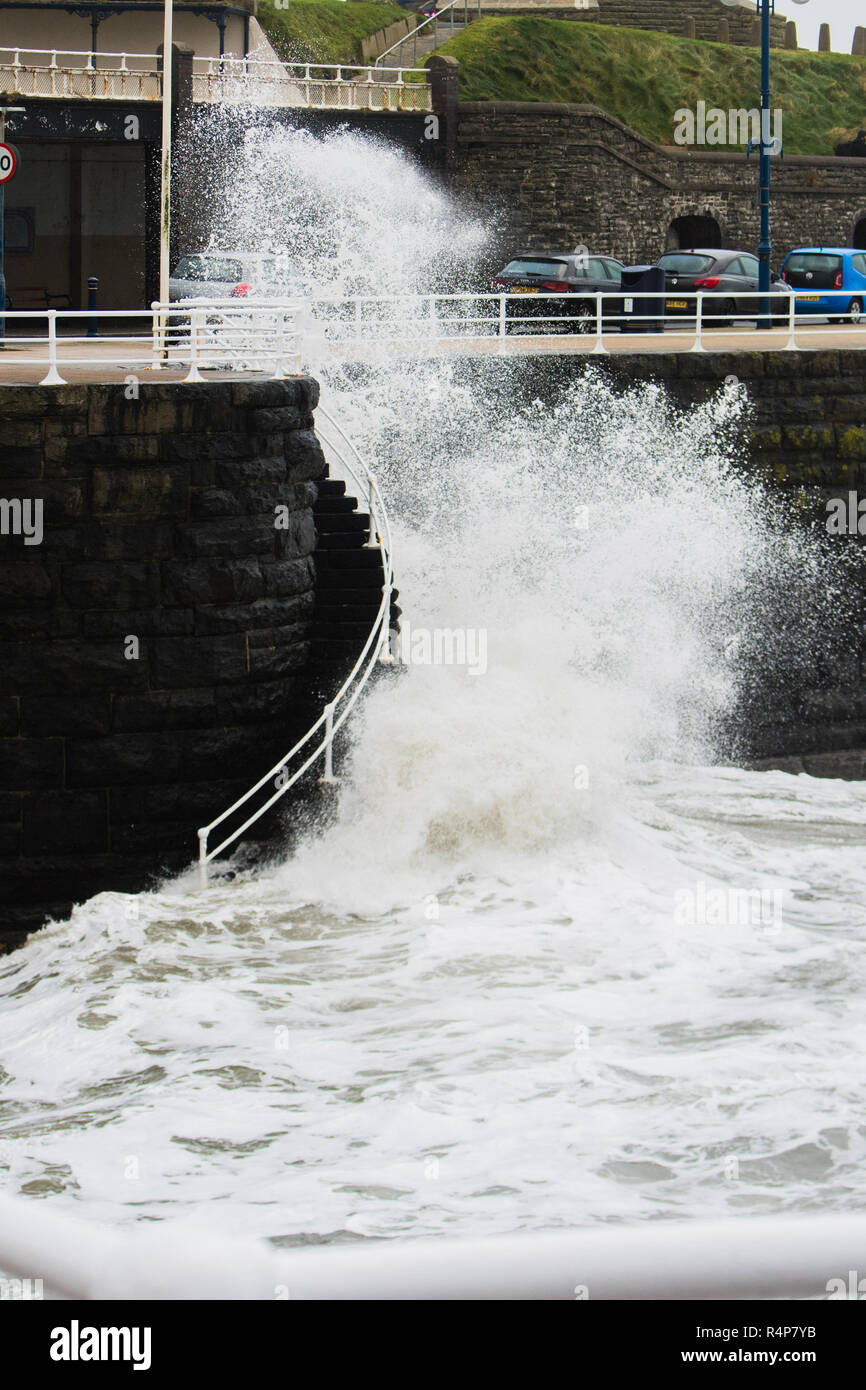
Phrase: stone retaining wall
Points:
(560, 175)
(152, 645)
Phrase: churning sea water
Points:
(557, 959)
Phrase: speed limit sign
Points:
(8, 163)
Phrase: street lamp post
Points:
(165, 183)
(765, 9)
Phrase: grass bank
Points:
(325, 31)
(643, 78)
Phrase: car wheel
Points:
(584, 320)
(855, 311)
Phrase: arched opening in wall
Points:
(693, 231)
(858, 239)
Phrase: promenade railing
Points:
(279, 336)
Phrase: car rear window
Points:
(686, 263)
(859, 263)
(529, 265)
(816, 261)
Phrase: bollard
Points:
(92, 322)
(824, 45)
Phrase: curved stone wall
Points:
(156, 609)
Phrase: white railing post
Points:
(792, 316)
(202, 858)
(698, 345)
(599, 323)
(194, 345)
(501, 316)
(53, 377)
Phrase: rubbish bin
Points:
(643, 315)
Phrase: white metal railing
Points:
(318, 741)
(263, 82)
(282, 335)
(758, 1257)
(74, 73)
(36, 72)
(435, 20)
(443, 318)
(190, 334)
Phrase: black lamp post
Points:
(765, 9)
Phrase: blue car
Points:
(812, 270)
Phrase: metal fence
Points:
(34, 72)
(329, 87)
(278, 336)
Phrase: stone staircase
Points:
(349, 582)
(414, 50)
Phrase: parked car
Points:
(234, 275)
(817, 268)
(733, 275)
(546, 273)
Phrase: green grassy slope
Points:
(643, 78)
(325, 31)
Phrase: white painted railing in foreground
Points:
(789, 1257)
(282, 335)
(318, 741)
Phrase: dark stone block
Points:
(268, 662)
(249, 536)
(278, 419)
(22, 463)
(288, 577)
(44, 715)
(70, 668)
(175, 709)
(122, 760)
(212, 581)
(9, 716)
(235, 753)
(153, 622)
(66, 823)
(194, 804)
(120, 540)
(266, 613)
(28, 763)
(24, 580)
(193, 662)
(141, 492)
(122, 585)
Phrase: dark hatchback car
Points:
(536, 275)
(732, 278)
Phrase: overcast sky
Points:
(841, 15)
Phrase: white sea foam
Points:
(470, 1003)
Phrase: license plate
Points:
(628, 306)
(676, 304)
(525, 289)
(808, 298)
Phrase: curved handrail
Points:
(329, 720)
(431, 19)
